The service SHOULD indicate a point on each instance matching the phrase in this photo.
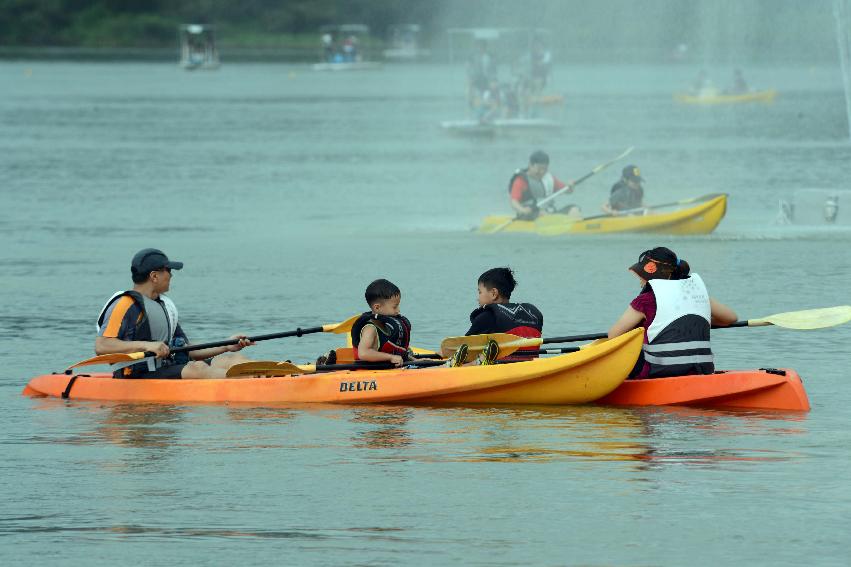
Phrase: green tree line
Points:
(717, 30)
(153, 23)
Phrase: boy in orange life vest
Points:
(496, 313)
(382, 334)
(676, 311)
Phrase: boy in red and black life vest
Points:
(382, 334)
(497, 314)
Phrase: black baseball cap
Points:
(656, 263)
(632, 172)
(151, 260)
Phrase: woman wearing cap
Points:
(676, 312)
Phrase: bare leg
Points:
(217, 368)
(225, 361)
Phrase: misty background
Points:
(714, 32)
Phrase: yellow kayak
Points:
(575, 378)
(693, 216)
(720, 98)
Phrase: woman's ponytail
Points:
(681, 270)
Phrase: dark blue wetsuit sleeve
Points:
(120, 320)
(485, 322)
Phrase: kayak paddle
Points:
(594, 171)
(274, 368)
(337, 328)
(476, 343)
(808, 319)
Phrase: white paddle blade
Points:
(809, 318)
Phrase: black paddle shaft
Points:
(297, 333)
(595, 336)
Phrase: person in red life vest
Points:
(497, 314)
(145, 319)
(530, 185)
(676, 311)
(382, 334)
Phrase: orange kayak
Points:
(774, 389)
(575, 378)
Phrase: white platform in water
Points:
(500, 124)
(817, 207)
(406, 54)
(347, 66)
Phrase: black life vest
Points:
(394, 333)
(521, 319)
(527, 199)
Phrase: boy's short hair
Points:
(500, 278)
(381, 289)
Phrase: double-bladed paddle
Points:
(593, 172)
(337, 328)
(808, 319)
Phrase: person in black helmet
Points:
(145, 319)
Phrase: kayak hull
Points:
(701, 218)
(714, 99)
(780, 389)
(574, 378)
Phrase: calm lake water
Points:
(285, 192)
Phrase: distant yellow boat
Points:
(547, 99)
(720, 98)
(699, 215)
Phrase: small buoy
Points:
(28, 72)
(291, 75)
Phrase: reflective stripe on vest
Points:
(672, 347)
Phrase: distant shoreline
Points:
(156, 54)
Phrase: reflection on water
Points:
(386, 427)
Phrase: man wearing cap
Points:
(527, 186)
(627, 193)
(143, 319)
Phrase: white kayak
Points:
(347, 66)
(500, 124)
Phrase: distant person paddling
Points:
(628, 193)
(533, 183)
(143, 319)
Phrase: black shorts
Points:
(165, 372)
